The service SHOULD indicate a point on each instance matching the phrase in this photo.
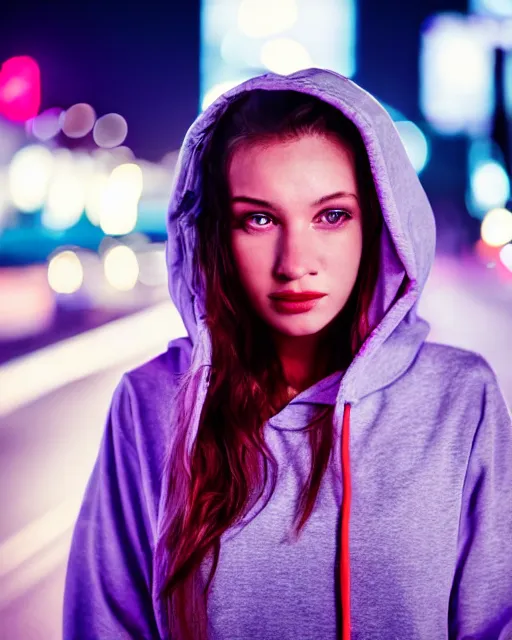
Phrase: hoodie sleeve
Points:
(481, 601)
(108, 581)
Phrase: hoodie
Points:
(411, 534)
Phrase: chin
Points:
(298, 327)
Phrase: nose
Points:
(295, 256)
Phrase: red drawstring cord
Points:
(345, 526)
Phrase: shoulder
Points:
(174, 360)
(151, 385)
(156, 378)
(452, 394)
(455, 364)
(452, 382)
(462, 381)
(142, 408)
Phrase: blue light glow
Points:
(244, 38)
(415, 143)
(497, 8)
(456, 60)
(490, 185)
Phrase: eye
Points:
(335, 216)
(259, 220)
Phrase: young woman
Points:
(304, 464)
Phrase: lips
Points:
(292, 296)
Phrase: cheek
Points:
(343, 258)
(251, 260)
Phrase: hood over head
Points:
(407, 243)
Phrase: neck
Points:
(302, 360)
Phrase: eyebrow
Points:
(269, 205)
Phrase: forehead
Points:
(311, 166)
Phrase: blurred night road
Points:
(47, 450)
(46, 453)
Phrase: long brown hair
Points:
(229, 467)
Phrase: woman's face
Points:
(296, 227)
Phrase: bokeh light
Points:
(496, 227)
(27, 304)
(216, 91)
(47, 124)
(12, 138)
(65, 201)
(285, 55)
(170, 160)
(122, 154)
(110, 131)
(20, 88)
(490, 185)
(120, 200)
(263, 18)
(486, 254)
(415, 144)
(497, 8)
(137, 241)
(238, 51)
(152, 267)
(65, 272)
(4, 197)
(78, 120)
(29, 176)
(121, 267)
(95, 190)
(130, 175)
(242, 38)
(456, 74)
(506, 256)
